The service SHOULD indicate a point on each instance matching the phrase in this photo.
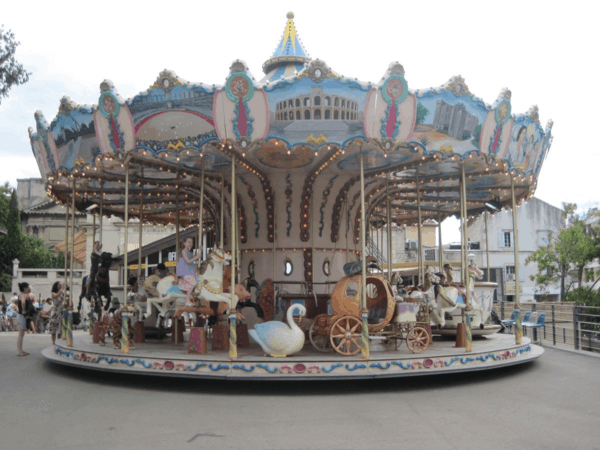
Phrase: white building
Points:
(535, 220)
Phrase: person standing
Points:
(58, 296)
(21, 320)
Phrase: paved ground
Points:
(552, 403)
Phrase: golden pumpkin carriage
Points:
(389, 321)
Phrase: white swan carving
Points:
(278, 339)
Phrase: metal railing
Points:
(566, 325)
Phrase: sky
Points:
(545, 52)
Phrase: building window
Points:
(510, 273)
(317, 114)
(507, 240)
(317, 101)
(430, 254)
(307, 115)
(307, 101)
(298, 116)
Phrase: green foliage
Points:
(12, 73)
(572, 248)
(422, 113)
(28, 249)
(5, 282)
(584, 296)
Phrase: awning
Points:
(80, 247)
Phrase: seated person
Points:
(152, 281)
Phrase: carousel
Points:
(276, 187)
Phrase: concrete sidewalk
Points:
(552, 403)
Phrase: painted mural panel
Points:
(449, 119)
(241, 109)
(173, 115)
(391, 110)
(526, 143)
(113, 122)
(44, 146)
(74, 132)
(305, 111)
(495, 132)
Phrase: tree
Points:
(12, 73)
(572, 248)
(28, 249)
(422, 112)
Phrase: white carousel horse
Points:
(208, 282)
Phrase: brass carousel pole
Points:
(232, 317)
(487, 245)
(420, 234)
(177, 243)
(125, 323)
(71, 260)
(200, 211)
(468, 307)
(441, 250)
(389, 228)
(63, 333)
(125, 234)
(140, 235)
(221, 222)
(518, 325)
(101, 210)
(363, 292)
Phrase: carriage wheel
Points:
(319, 341)
(418, 339)
(346, 335)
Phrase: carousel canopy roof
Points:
(313, 121)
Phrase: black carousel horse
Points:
(248, 284)
(97, 284)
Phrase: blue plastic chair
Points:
(539, 323)
(526, 317)
(510, 322)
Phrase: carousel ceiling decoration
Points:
(302, 117)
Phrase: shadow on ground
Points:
(283, 388)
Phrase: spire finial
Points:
(290, 15)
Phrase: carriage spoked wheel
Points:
(319, 341)
(418, 339)
(346, 335)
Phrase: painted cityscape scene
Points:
(449, 123)
(304, 111)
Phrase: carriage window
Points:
(327, 267)
(371, 291)
(352, 289)
(251, 269)
(289, 268)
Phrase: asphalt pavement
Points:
(551, 403)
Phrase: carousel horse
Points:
(97, 284)
(444, 301)
(419, 293)
(248, 284)
(208, 285)
(208, 281)
(115, 325)
(206, 309)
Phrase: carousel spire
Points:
(289, 56)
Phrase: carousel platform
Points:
(162, 358)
